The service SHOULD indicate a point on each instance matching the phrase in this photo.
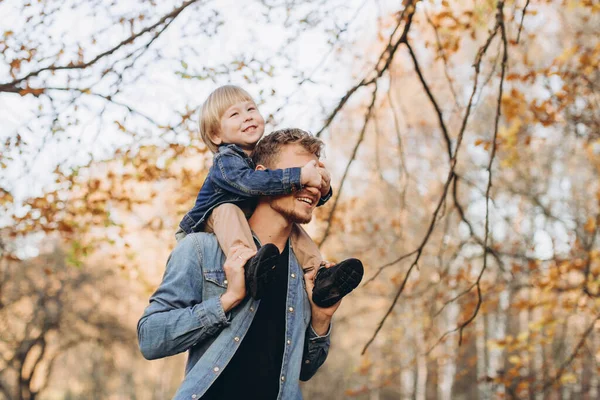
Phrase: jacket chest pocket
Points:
(215, 283)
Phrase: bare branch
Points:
(361, 136)
(379, 70)
(432, 99)
(500, 24)
(451, 174)
(14, 86)
(569, 360)
(419, 251)
(442, 53)
(522, 18)
(403, 169)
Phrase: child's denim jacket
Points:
(233, 179)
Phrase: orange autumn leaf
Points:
(590, 225)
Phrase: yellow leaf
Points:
(523, 336)
(567, 54)
(568, 378)
(514, 359)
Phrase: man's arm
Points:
(316, 348)
(177, 318)
(317, 340)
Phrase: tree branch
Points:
(379, 70)
(569, 360)
(522, 18)
(500, 24)
(14, 86)
(361, 136)
(451, 174)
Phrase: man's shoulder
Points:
(196, 241)
(203, 246)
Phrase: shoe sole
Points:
(345, 280)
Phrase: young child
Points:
(230, 126)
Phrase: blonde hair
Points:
(213, 109)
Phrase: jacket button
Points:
(216, 369)
(251, 308)
(306, 361)
(237, 339)
(282, 378)
(293, 275)
(194, 396)
(289, 341)
(291, 309)
(225, 282)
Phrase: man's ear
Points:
(260, 167)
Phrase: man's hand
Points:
(320, 317)
(234, 272)
(325, 180)
(310, 175)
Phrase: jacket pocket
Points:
(216, 277)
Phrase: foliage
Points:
(466, 157)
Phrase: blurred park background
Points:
(464, 142)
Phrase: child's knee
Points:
(227, 208)
(228, 212)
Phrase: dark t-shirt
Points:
(254, 370)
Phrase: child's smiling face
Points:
(241, 124)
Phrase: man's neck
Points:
(270, 226)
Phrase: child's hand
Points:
(310, 175)
(325, 180)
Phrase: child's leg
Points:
(306, 251)
(331, 283)
(230, 225)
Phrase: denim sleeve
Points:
(316, 349)
(232, 174)
(177, 318)
(325, 198)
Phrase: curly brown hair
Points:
(267, 150)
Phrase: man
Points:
(240, 347)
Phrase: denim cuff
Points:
(314, 337)
(211, 313)
(325, 198)
(291, 179)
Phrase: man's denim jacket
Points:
(233, 179)
(185, 313)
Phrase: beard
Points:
(291, 215)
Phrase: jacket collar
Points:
(234, 147)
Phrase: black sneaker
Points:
(259, 270)
(331, 284)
